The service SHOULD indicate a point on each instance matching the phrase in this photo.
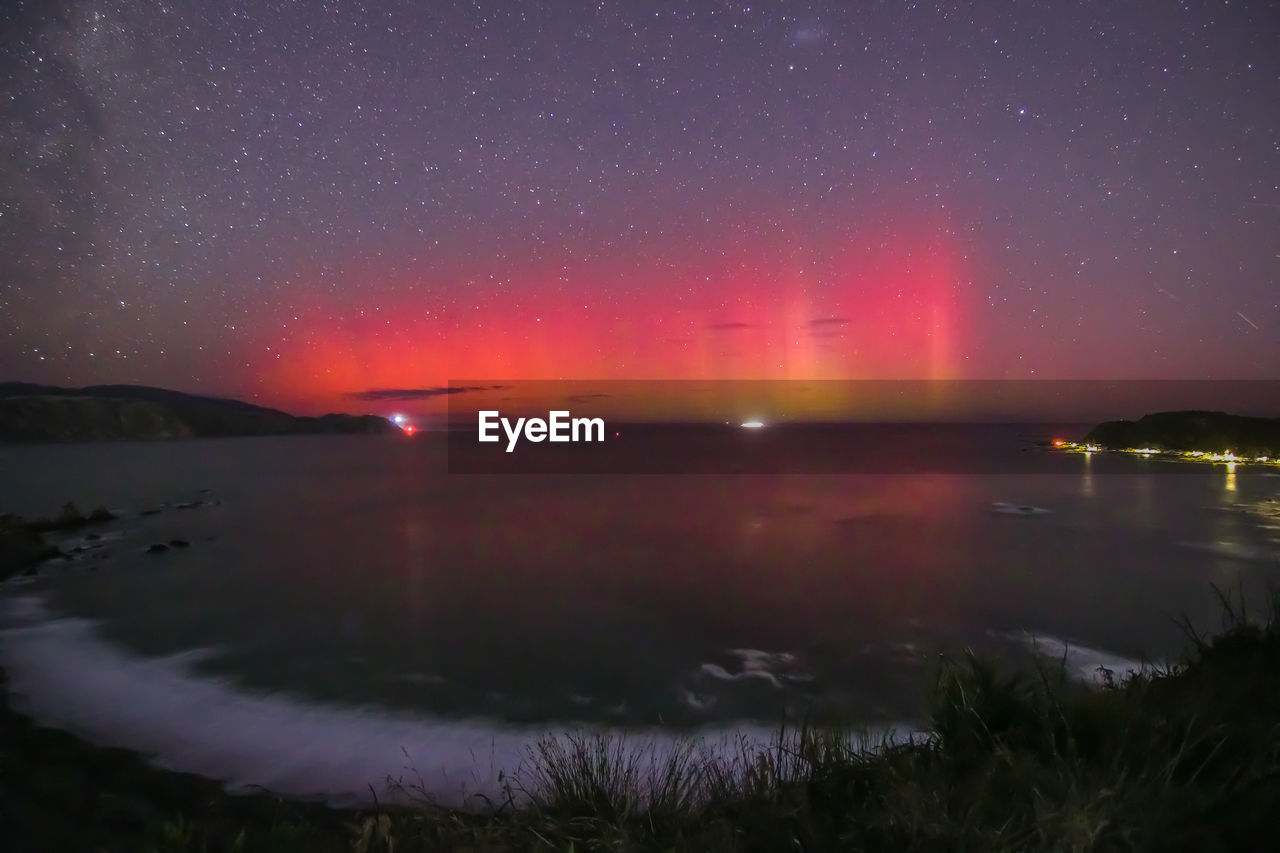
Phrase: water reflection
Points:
(546, 588)
(1146, 514)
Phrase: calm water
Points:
(344, 602)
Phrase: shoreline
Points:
(1201, 457)
(1132, 748)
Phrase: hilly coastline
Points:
(46, 413)
(1211, 432)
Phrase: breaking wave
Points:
(63, 674)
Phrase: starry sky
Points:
(314, 204)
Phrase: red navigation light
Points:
(409, 429)
(1057, 442)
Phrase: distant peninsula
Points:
(46, 413)
(1216, 435)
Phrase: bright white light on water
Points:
(753, 424)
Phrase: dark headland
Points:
(139, 413)
(1212, 432)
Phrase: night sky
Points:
(300, 203)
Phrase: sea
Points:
(331, 615)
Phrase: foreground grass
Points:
(1186, 758)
